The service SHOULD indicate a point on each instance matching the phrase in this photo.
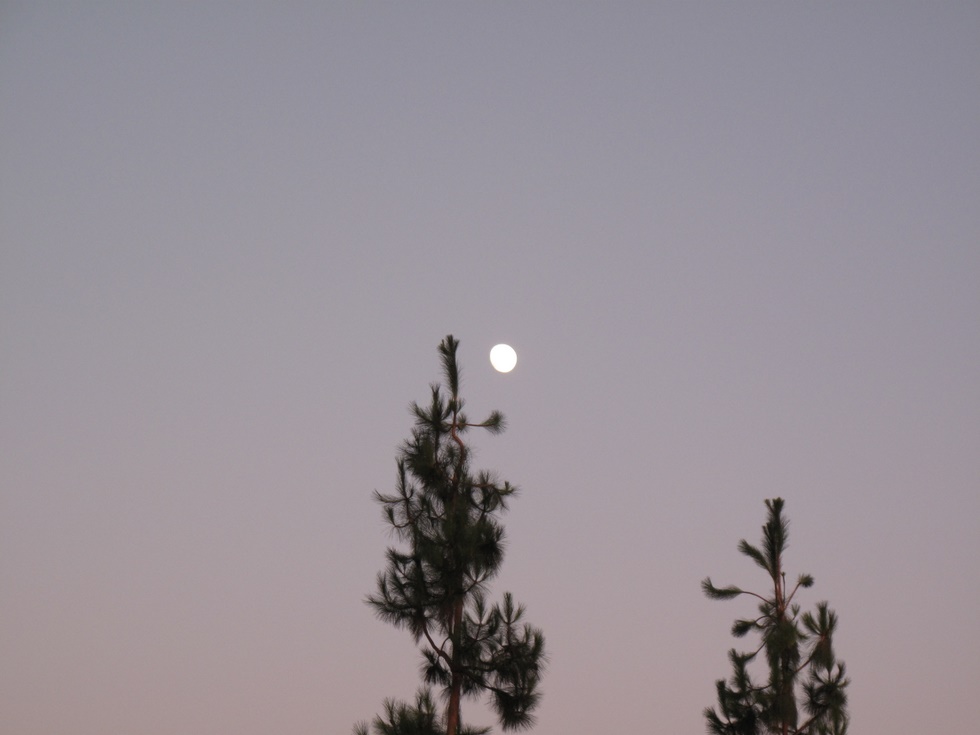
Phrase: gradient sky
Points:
(736, 246)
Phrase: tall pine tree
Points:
(798, 650)
(435, 584)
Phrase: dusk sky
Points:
(736, 246)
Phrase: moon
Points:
(503, 358)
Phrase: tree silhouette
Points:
(435, 586)
(798, 650)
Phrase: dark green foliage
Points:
(419, 718)
(798, 652)
(435, 584)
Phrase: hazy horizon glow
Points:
(735, 246)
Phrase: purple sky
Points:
(737, 249)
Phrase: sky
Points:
(735, 245)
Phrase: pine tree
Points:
(435, 586)
(798, 651)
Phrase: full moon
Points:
(503, 358)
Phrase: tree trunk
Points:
(456, 685)
(452, 714)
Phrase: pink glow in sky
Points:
(735, 245)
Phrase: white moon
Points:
(503, 358)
